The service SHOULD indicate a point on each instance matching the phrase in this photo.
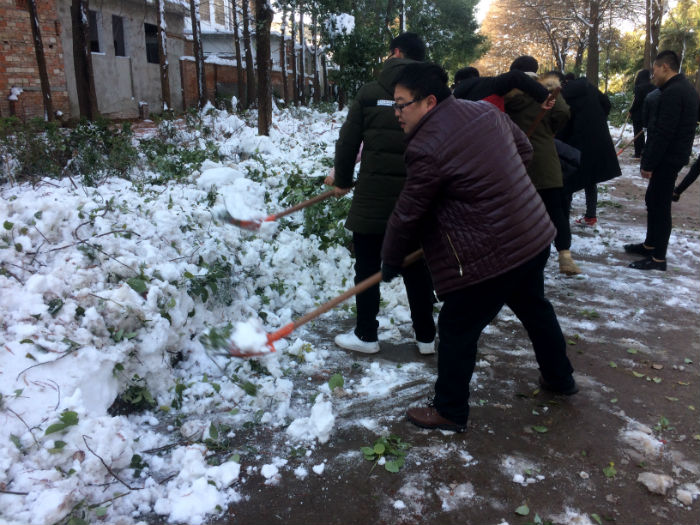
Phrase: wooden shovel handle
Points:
(540, 115)
(301, 205)
(358, 288)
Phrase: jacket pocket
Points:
(454, 252)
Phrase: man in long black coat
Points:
(588, 131)
(668, 149)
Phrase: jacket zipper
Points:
(461, 274)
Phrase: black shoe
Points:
(569, 391)
(638, 249)
(648, 264)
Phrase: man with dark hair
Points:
(371, 122)
(668, 147)
(409, 45)
(525, 63)
(466, 73)
(484, 230)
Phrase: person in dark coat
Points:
(668, 149)
(470, 86)
(588, 131)
(545, 168)
(689, 178)
(484, 230)
(371, 123)
(642, 87)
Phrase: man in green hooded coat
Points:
(372, 128)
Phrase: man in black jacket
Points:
(667, 150)
(371, 123)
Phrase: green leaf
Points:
(632, 350)
(391, 466)
(18, 247)
(379, 449)
(367, 451)
(101, 512)
(637, 374)
(537, 520)
(213, 432)
(540, 429)
(138, 285)
(688, 361)
(336, 381)
(55, 305)
(16, 441)
(613, 400)
(57, 447)
(56, 427)
(522, 510)
(613, 364)
(656, 379)
(69, 417)
(672, 398)
(610, 471)
(8, 225)
(597, 518)
(38, 214)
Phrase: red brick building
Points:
(18, 67)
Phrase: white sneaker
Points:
(350, 341)
(426, 348)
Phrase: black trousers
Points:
(464, 315)
(637, 126)
(419, 289)
(557, 205)
(658, 200)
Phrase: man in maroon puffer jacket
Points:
(484, 230)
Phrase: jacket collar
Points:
(675, 78)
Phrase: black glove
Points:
(675, 196)
(389, 272)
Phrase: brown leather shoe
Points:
(428, 417)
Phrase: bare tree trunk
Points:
(163, 55)
(295, 93)
(82, 60)
(239, 57)
(40, 61)
(314, 42)
(592, 64)
(653, 16)
(263, 21)
(402, 17)
(249, 65)
(283, 56)
(198, 53)
(302, 80)
(326, 90)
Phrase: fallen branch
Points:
(13, 492)
(67, 352)
(25, 424)
(108, 467)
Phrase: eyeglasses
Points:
(399, 107)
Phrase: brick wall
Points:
(18, 59)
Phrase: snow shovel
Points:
(623, 148)
(254, 224)
(287, 329)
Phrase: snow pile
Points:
(656, 483)
(340, 24)
(108, 293)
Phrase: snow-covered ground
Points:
(102, 296)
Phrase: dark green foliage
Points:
(621, 103)
(326, 219)
(217, 273)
